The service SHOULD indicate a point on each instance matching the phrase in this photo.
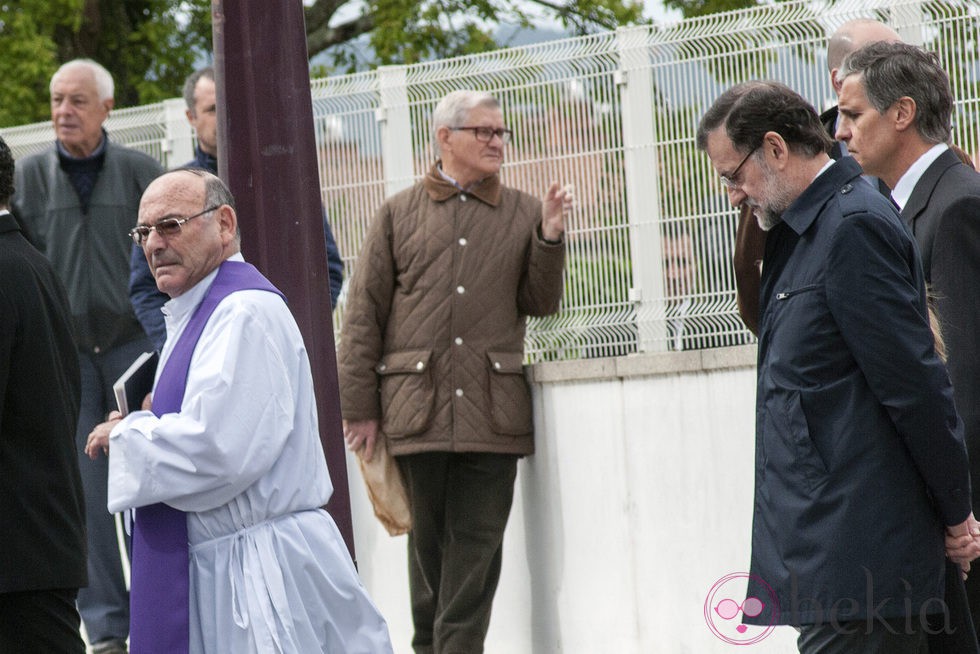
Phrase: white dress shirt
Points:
(906, 183)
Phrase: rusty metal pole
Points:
(267, 156)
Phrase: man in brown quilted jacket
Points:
(431, 358)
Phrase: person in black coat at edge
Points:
(42, 533)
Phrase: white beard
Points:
(767, 220)
(778, 199)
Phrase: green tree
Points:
(29, 54)
(150, 46)
(409, 31)
(693, 8)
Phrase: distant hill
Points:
(514, 36)
(507, 36)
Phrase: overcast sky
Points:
(655, 9)
(651, 9)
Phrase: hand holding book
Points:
(132, 391)
(98, 438)
(135, 384)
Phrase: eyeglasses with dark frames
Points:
(731, 180)
(166, 227)
(486, 134)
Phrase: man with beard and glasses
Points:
(861, 468)
(750, 241)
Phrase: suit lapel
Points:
(8, 224)
(919, 198)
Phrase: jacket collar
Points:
(8, 224)
(96, 158)
(487, 190)
(805, 209)
(927, 183)
(203, 160)
(829, 121)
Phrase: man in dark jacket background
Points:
(861, 468)
(199, 94)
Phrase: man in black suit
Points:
(896, 108)
(42, 515)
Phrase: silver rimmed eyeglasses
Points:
(730, 180)
(165, 227)
(486, 134)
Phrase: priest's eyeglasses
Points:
(165, 227)
(486, 134)
(731, 180)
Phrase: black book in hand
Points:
(133, 385)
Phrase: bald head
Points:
(854, 35)
(194, 228)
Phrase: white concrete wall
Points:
(638, 500)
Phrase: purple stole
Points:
(159, 599)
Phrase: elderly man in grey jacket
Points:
(431, 358)
(76, 201)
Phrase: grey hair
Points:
(104, 85)
(891, 71)
(190, 85)
(749, 110)
(216, 192)
(453, 109)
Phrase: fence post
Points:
(642, 174)
(178, 144)
(396, 128)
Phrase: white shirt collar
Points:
(188, 301)
(825, 168)
(448, 178)
(4, 212)
(906, 184)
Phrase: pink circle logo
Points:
(724, 607)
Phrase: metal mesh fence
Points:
(651, 240)
(142, 128)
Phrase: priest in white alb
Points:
(231, 550)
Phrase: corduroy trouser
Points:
(460, 505)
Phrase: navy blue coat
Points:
(860, 460)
